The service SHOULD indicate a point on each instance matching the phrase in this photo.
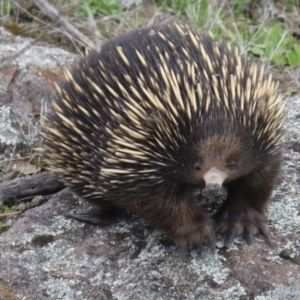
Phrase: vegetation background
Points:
(266, 29)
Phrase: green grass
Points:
(7, 209)
(6, 8)
(105, 7)
(2, 224)
(267, 39)
(261, 31)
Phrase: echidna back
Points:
(132, 112)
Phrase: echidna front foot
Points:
(98, 216)
(194, 233)
(242, 213)
(248, 223)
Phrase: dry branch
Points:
(43, 183)
(50, 11)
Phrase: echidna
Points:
(161, 112)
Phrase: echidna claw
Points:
(248, 235)
(265, 235)
(230, 236)
(211, 242)
(97, 216)
(184, 250)
(86, 217)
(198, 248)
(264, 232)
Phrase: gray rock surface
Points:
(44, 255)
(25, 85)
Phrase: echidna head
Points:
(217, 160)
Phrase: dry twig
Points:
(50, 11)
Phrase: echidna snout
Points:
(214, 179)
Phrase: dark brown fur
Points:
(142, 124)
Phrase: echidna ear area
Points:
(129, 113)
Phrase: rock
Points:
(26, 83)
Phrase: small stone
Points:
(22, 206)
(286, 253)
(28, 205)
(36, 201)
(9, 222)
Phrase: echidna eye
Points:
(197, 166)
(231, 165)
